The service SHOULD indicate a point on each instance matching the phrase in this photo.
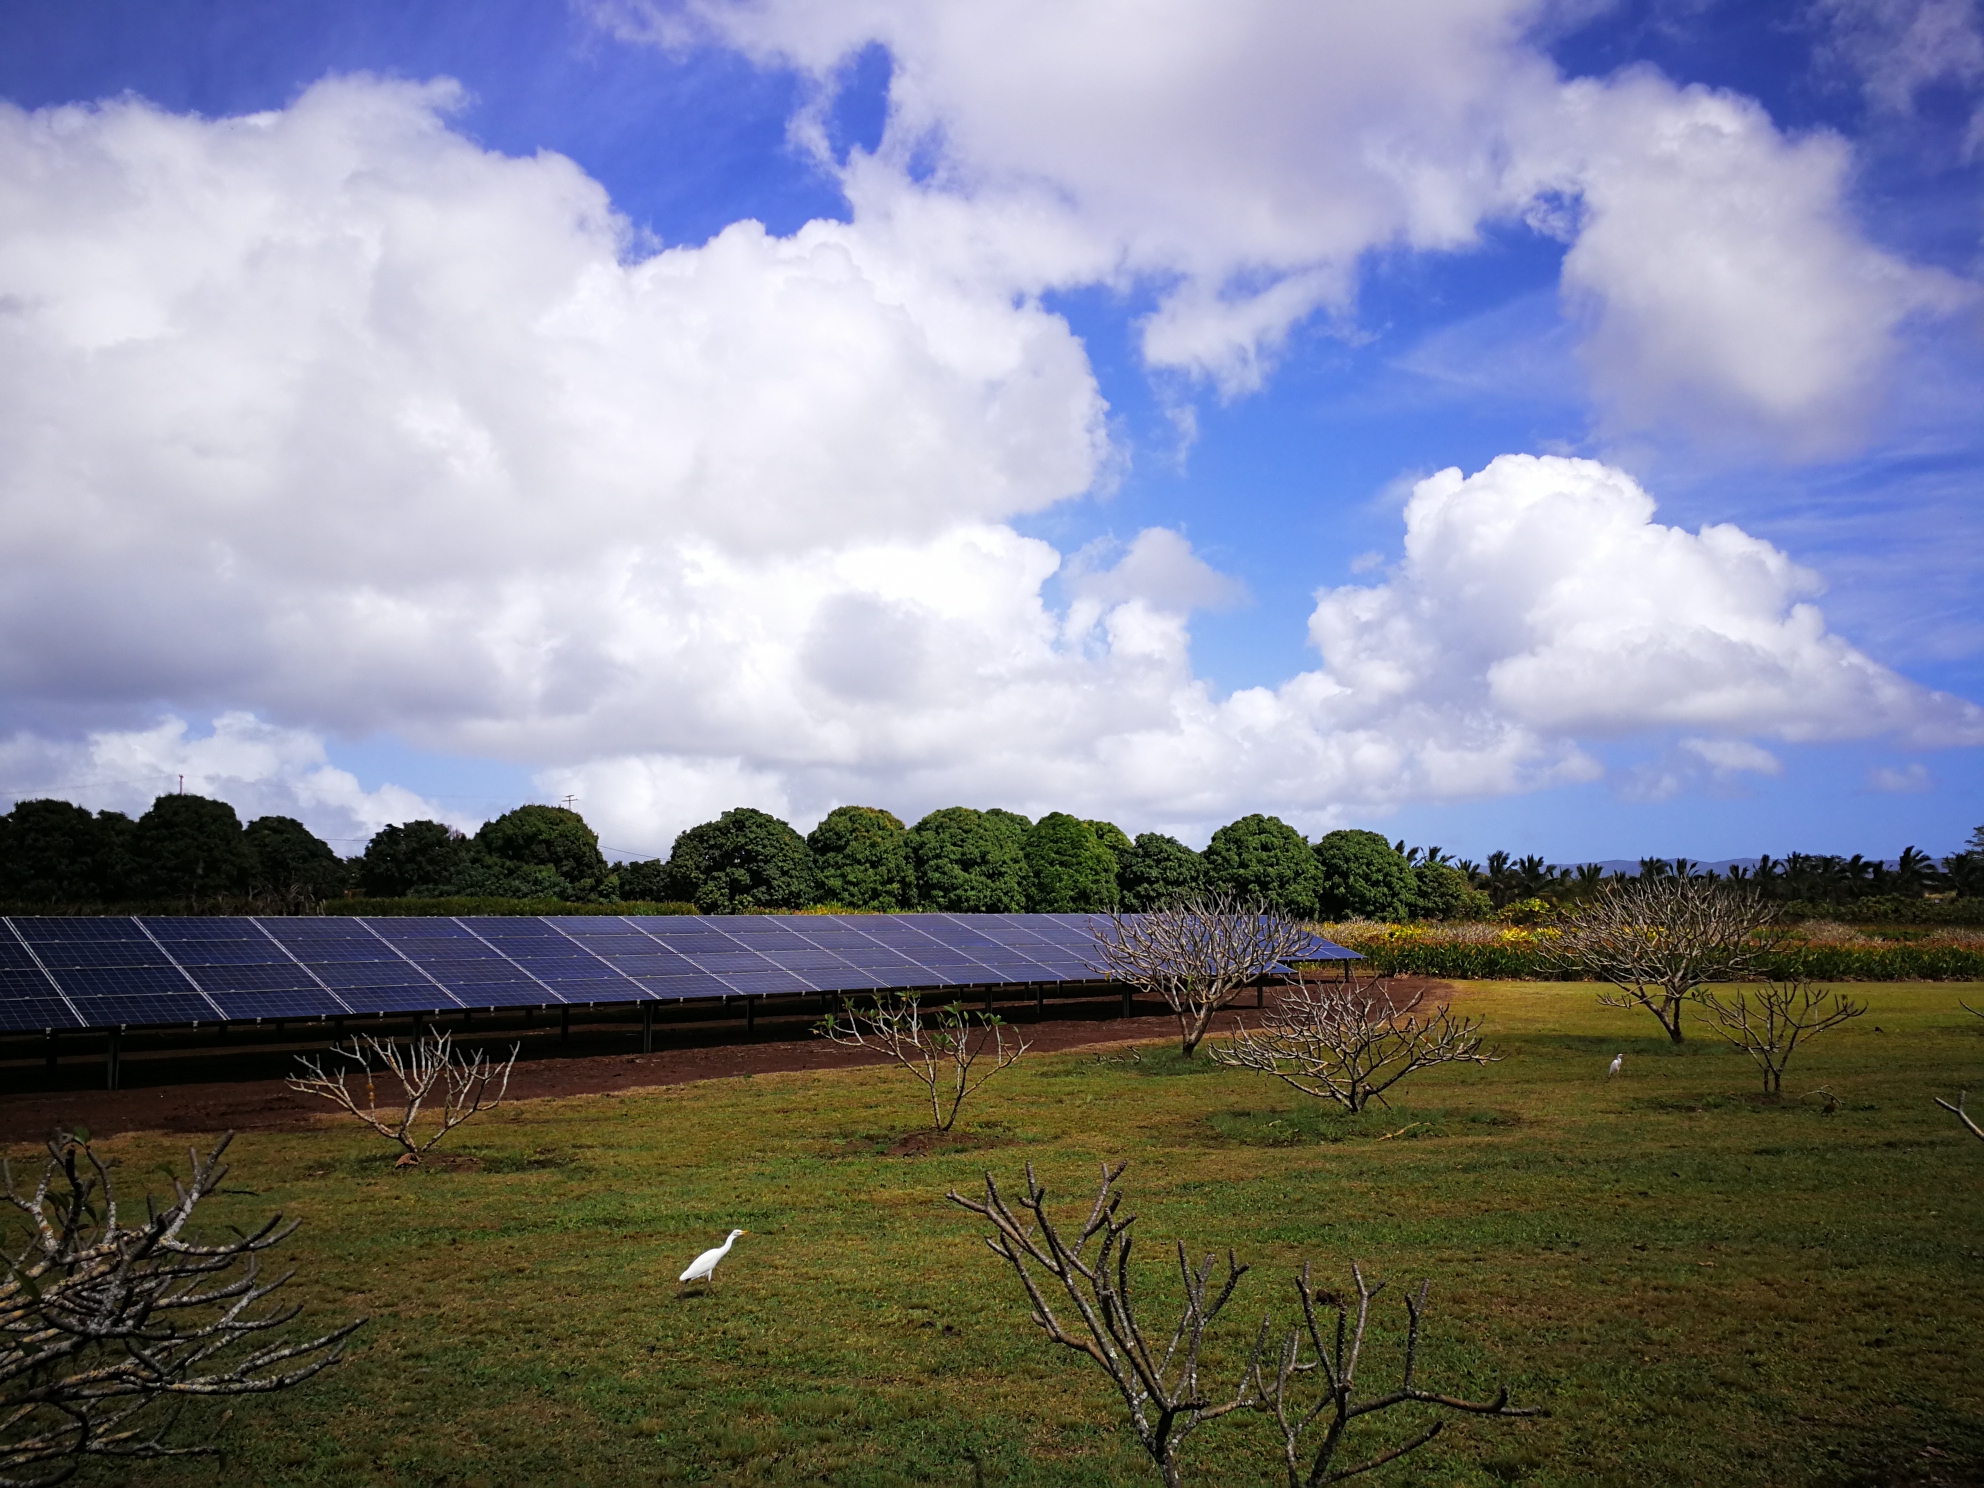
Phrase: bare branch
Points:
(1166, 1399)
(429, 1070)
(1337, 1353)
(1768, 1024)
(1961, 1114)
(1161, 1389)
(1658, 941)
(1197, 954)
(938, 1047)
(1348, 1043)
(100, 1321)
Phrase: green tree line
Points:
(193, 852)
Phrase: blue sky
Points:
(1115, 519)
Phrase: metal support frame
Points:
(112, 1057)
(1127, 989)
(647, 1028)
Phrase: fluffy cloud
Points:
(332, 414)
(1244, 156)
(1542, 591)
(259, 769)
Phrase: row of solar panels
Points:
(70, 973)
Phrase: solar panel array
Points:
(72, 973)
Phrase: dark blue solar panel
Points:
(257, 952)
(655, 965)
(12, 952)
(330, 927)
(58, 930)
(849, 979)
(407, 933)
(123, 981)
(687, 986)
(313, 1003)
(501, 961)
(342, 974)
(287, 976)
(497, 994)
(426, 998)
(115, 1011)
(34, 1014)
(725, 962)
(24, 981)
(575, 964)
(103, 953)
(470, 987)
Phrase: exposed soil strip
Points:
(242, 1089)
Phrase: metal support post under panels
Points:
(647, 1028)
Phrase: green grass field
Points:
(1701, 1287)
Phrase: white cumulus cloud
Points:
(328, 421)
(1244, 157)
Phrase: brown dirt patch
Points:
(243, 1089)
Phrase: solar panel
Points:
(123, 981)
(158, 1009)
(35, 1014)
(286, 977)
(425, 998)
(121, 971)
(311, 1002)
(65, 930)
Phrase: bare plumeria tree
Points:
(1957, 1110)
(1769, 1022)
(1349, 1043)
(1658, 941)
(939, 1046)
(1159, 1379)
(1280, 1383)
(103, 1320)
(1198, 953)
(432, 1078)
(1160, 1387)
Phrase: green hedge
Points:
(1511, 962)
(1889, 909)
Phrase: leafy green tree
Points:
(186, 847)
(745, 859)
(418, 854)
(1158, 871)
(291, 861)
(646, 880)
(1111, 836)
(1069, 870)
(547, 837)
(483, 875)
(1263, 858)
(1363, 876)
(1441, 892)
(55, 853)
(969, 862)
(861, 859)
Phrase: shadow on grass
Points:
(1302, 1126)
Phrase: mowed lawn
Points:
(1701, 1287)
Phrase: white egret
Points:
(703, 1267)
(1618, 1063)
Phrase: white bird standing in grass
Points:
(1618, 1063)
(703, 1267)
